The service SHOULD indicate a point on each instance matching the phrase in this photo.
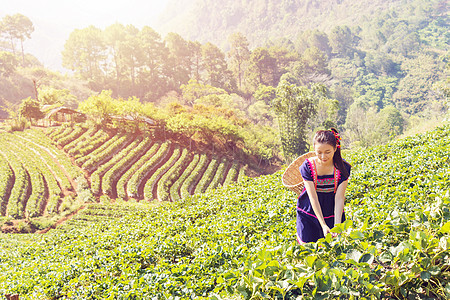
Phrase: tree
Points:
(115, 39)
(51, 96)
(18, 27)
(238, 54)
(313, 38)
(215, 65)
(341, 41)
(8, 63)
(415, 90)
(154, 55)
(195, 48)
(30, 109)
(265, 93)
(262, 67)
(283, 61)
(178, 64)
(294, 107)
(391, 121)
(132, 57)
(100, 107)
(195, 90)
(314, 61)
(85, 53)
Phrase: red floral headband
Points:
(338, 138)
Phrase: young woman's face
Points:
(324, 152)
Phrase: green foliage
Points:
(176, 189)
(239, 242)
(101, 107)
(30, 108)
(6, 182)
(194, 176)
(106, 175)
(367, 127)
(51, 96)
(8, 63)
(164, 190)
(152, 158)
(16, 27)
(294, 106)
(142, 155)
(157, 174)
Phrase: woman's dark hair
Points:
(331, 137)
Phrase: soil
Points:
(61, 221)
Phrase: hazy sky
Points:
(54, 20)
(81, 13)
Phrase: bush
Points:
(86, 196)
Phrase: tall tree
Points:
(195, 49)
(132, 56)
(341, 41)
(154, 55)
(294, 106)
(215, 65)
(30, 109)
(178, 63)
(8, 63)
(239, 54)
(85, 53)
(18, 27)
(115, 38)
(262, 66)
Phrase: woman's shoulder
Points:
(306, 169)
(347, 164)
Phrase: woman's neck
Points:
(327, 164)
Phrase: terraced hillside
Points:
(51, 173)
(136, 166)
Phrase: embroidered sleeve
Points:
(305, 170)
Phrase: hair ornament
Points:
(338, 138)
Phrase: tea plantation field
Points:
(48, 174)
(238, 242)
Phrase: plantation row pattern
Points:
(240, 242)
(34, 175)
(128, 166)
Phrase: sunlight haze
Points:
(54, 20)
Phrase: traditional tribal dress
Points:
(308, 226)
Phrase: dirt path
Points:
(61, 221)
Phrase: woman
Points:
(320, 206)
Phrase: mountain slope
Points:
(214, 21)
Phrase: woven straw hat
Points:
(292, 178)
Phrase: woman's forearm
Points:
(338, 210)
(339, 202)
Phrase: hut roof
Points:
(139, 119)
(64, 110)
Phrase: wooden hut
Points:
(63, 114)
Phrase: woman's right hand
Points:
(327, 230)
